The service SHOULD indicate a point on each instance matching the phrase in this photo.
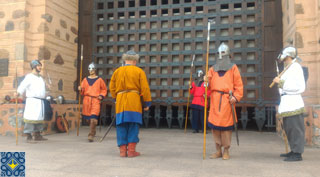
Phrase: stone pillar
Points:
(39, 29)
(301, 28)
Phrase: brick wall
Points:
(44, 29)
(301, 28)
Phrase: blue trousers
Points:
(197, 119)
(127, 133)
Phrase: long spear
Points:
(285, 138)
(80, 78)
(16, 106)
(186, 122)
(206, 92)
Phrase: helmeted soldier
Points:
(93, 89)
(291, 85)
(223, 77)
(35, 88)
(197, 105)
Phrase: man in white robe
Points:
(35, 88)
(291, 85)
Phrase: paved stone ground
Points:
(165, 152)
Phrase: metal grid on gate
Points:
(166, 33)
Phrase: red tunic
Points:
(91, 90)
(220, 87)
(198, 94)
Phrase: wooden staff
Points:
(80, 79)
(16, 106)
(186, 122)
(285, 138)
(284, 70)
(206, 92)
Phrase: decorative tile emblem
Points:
(12, 164)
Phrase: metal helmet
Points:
(288, 52)
(34, 63)
(92, 66)
(60, 99)
(223, 50)
(49, 98)
(199, 73)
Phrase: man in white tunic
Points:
(291, 85)
(34, 87)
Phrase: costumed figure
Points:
(93, 89)
(197, 105)
(35, 88)
(223, 77)
(130, 89)
(291, 85)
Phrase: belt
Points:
(127, 91)
(221, 92)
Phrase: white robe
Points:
(34, 86)
(293, 87)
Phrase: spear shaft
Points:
(80, 79)
(186, 122)
(16, 106)
(206, 93)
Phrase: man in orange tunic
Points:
(223, 77)
(93, 90)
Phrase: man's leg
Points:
(226, 142)
(294, 126)
(122, 138)
(201, 115)
(133, 139)
(195, 120)
(38, 128)
(92, 133)
(217, 138)
(28, 130)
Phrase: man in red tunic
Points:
(223, 77)
(197, 105)
(93, 89)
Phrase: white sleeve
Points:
(23, 85)
(295, 83)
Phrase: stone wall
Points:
(13, 15)
(301, 28)
(8, 118)
(43, 29)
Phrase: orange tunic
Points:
(91, 90)
(221, 117)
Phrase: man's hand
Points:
(100, 97)
(16, 94)
(233, 100)
(146, 109)
(205, 78)
(276, 80)
(79, 88)
(48, 86)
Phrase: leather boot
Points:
(294, 157)
(218, 154)
(123, 150)
(286, 154)
(29, 138)
(37, 137)
(225, 155)
(132, 150)
(93, 124)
